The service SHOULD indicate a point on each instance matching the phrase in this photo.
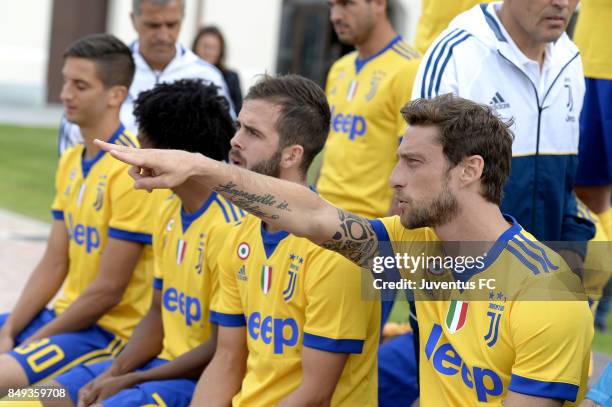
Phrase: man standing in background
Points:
(365, 90)
(158, 57)
(515, 57)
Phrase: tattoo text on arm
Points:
(257, 204)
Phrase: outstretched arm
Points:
(282, 204)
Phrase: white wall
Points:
(25, 27)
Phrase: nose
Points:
(65, 93)
(395, 180)
(335, 14)
(163, 33)
(562, 4)
(236, 141)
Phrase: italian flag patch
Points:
(181, 246)
(266, 279)
(456, 316)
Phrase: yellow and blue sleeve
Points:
(131, 210)
(336, 314)
(552, 341)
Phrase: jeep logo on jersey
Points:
(447, 361)
(280, 332)
(351, 125)
(189, 307)
(82, 235)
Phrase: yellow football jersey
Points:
(291, 294)
(597, 266)
(591, 36)
(96, 200)
(187, 287)
(435, 17)
(516, 329)
(365, 97)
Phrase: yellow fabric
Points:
(526, 327)
(597, 267)
(435, 17)
(92, 207)
(313, 292)
(366, 125)
(592, 35)
(179, 255)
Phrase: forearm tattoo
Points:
(260, 205)
(355, 240)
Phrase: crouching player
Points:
(190, 116)
(293, 326)
(99, 245)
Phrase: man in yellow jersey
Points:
(293, 328)
(365, 90)
(435, 16)
(156, 366)
(594, 175)
(99, 247)
(513, 345)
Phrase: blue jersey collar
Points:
(360, 63)
(86, 165)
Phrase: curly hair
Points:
(186, 115)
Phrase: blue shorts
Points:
(397, 372)
(595, 150)
(175, 392)
(48, 357)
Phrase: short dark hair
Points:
(212, 30)
(304, 118)
(186, 115)
(466, 128)
(114, 62)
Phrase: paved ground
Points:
(22, 243)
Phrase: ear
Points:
(471, 170)
(292, 156)
(380, 6)
(116, 95)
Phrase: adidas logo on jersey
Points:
(498, 102)
(241, 275)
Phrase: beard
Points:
(430, 213)
(270, 167)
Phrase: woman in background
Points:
(209, 45)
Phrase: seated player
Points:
(99, 245)
(190, 116)
(293, 327)
(453, 162)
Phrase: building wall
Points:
(24, 41)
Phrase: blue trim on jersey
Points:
(531, 254)
(541, 250)
(450, 53)
(523, 260)
(188, 218)
(500, 244)
(402, 53)
(360, 63)
(126, 139)
(229, 320)
(537, 388)
(158, 283)
(444, 42)
(223, 209)
(236, 218)
(271, 239)
(492, 23)
(380, 230)
(87, 164)
(332, 345)
(144, 238)
(57, 215)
